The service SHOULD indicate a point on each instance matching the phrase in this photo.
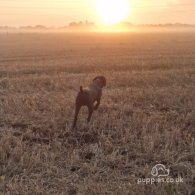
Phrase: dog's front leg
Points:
(97, 104)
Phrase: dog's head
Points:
(101, 80)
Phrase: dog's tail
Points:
(81, 89)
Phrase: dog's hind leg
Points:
(77, 109)
(90, 109)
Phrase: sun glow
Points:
(112, 11)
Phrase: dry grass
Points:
(147, 114)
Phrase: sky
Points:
(61, 12)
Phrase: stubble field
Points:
(146, 116)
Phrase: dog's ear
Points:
(102, 80)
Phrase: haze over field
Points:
(60, 13)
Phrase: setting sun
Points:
(112, 11)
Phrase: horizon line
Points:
(92, 24)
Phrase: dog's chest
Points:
(95, 93)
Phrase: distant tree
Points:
(81, 24)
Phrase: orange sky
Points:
(61, 12)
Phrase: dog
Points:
(88, 96)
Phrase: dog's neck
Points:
(96, 83)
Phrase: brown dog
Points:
(88, 96)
